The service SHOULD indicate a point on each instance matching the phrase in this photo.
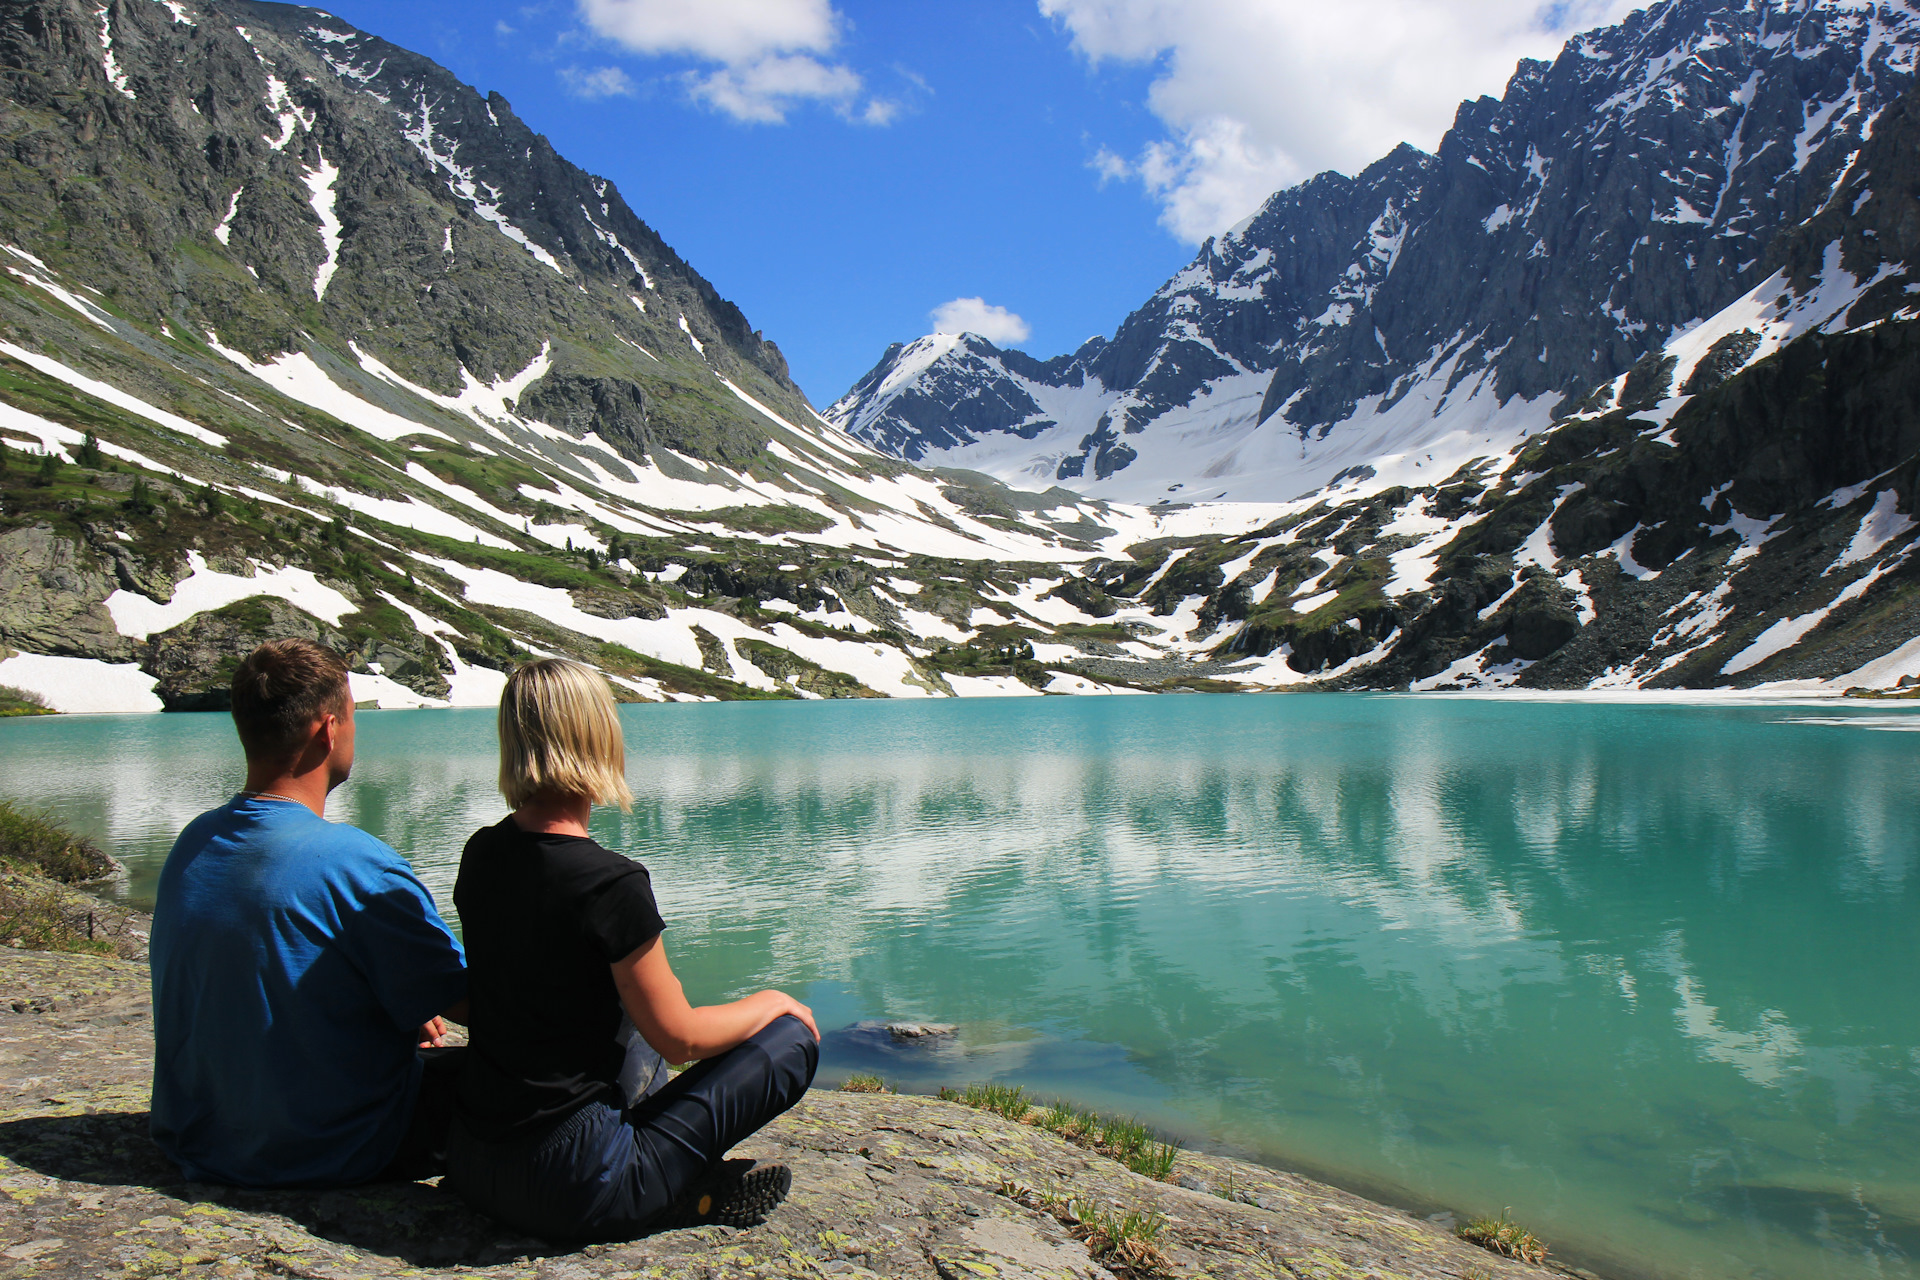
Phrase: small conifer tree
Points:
(49, 469)
(89, 455)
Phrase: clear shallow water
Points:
(1650, 975)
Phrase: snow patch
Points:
(115, 76)
(136, 616)
(113, 395)
(1878, 527)
(296, 376)
(82, 685)
(319, 182)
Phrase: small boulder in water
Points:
(921, 1030)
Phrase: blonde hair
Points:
(560, 735)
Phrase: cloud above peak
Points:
(597, 82)
(976, 315)
(1257, 95)
(764, 57)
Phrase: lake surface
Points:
(1648, 974)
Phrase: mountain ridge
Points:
(299, 335)
(1609, 199)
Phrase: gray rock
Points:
(53, 591)
(922, 1030)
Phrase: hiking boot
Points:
(737, 1193)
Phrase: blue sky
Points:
(842, 168)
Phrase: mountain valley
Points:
(301, 335)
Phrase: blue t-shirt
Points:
(294, 959)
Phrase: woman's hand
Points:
(785, 1005)
(678, 1032)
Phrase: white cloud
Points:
(764, 90)
(768, 56)
(728, 31)
(1260, 94)
(597, 82)
(975, 315)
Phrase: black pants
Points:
(423, 1151)
(604, 1174)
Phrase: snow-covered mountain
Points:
(301, 336)
(1434, 309)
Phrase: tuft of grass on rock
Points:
(1121, 1138)
(39, 858)
(22, 702)
(864, 1084)
(1504, 1236)
(38, 915)
(1126, 1241)
(1009, 1100)
(36, 844)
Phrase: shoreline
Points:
(885, 1185)
(1766, 696)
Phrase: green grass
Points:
(1125, 1241)
(761, 520)
(37, 915)
(864, 1084)
(1009, 1100)
(624, 661)
(801, 673)
(38, 858)
(36, 843)
(1121, 1138)
(21, 702)
(1504, 1236)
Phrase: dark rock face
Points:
(961, 393)
(1542, 618)
(52, 593)
(1561, 233)
(193, 663)
(613, 408)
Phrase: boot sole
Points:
(742, 1202)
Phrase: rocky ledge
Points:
(884, 1185)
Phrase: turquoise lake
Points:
(1647, 974)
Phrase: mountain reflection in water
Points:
(1650, 975)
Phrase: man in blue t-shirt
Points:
(298, 964)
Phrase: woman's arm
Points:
(679, 1032)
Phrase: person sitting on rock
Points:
(298, 964)
(562, 1126)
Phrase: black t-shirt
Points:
(543, 918)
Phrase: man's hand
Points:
(433, 1034)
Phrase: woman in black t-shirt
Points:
(564, 1127)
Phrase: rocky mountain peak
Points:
(1559, 233)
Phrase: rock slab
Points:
(884, 1185)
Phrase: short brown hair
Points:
(280, 689)
(560, 735)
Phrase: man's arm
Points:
(405, 951)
